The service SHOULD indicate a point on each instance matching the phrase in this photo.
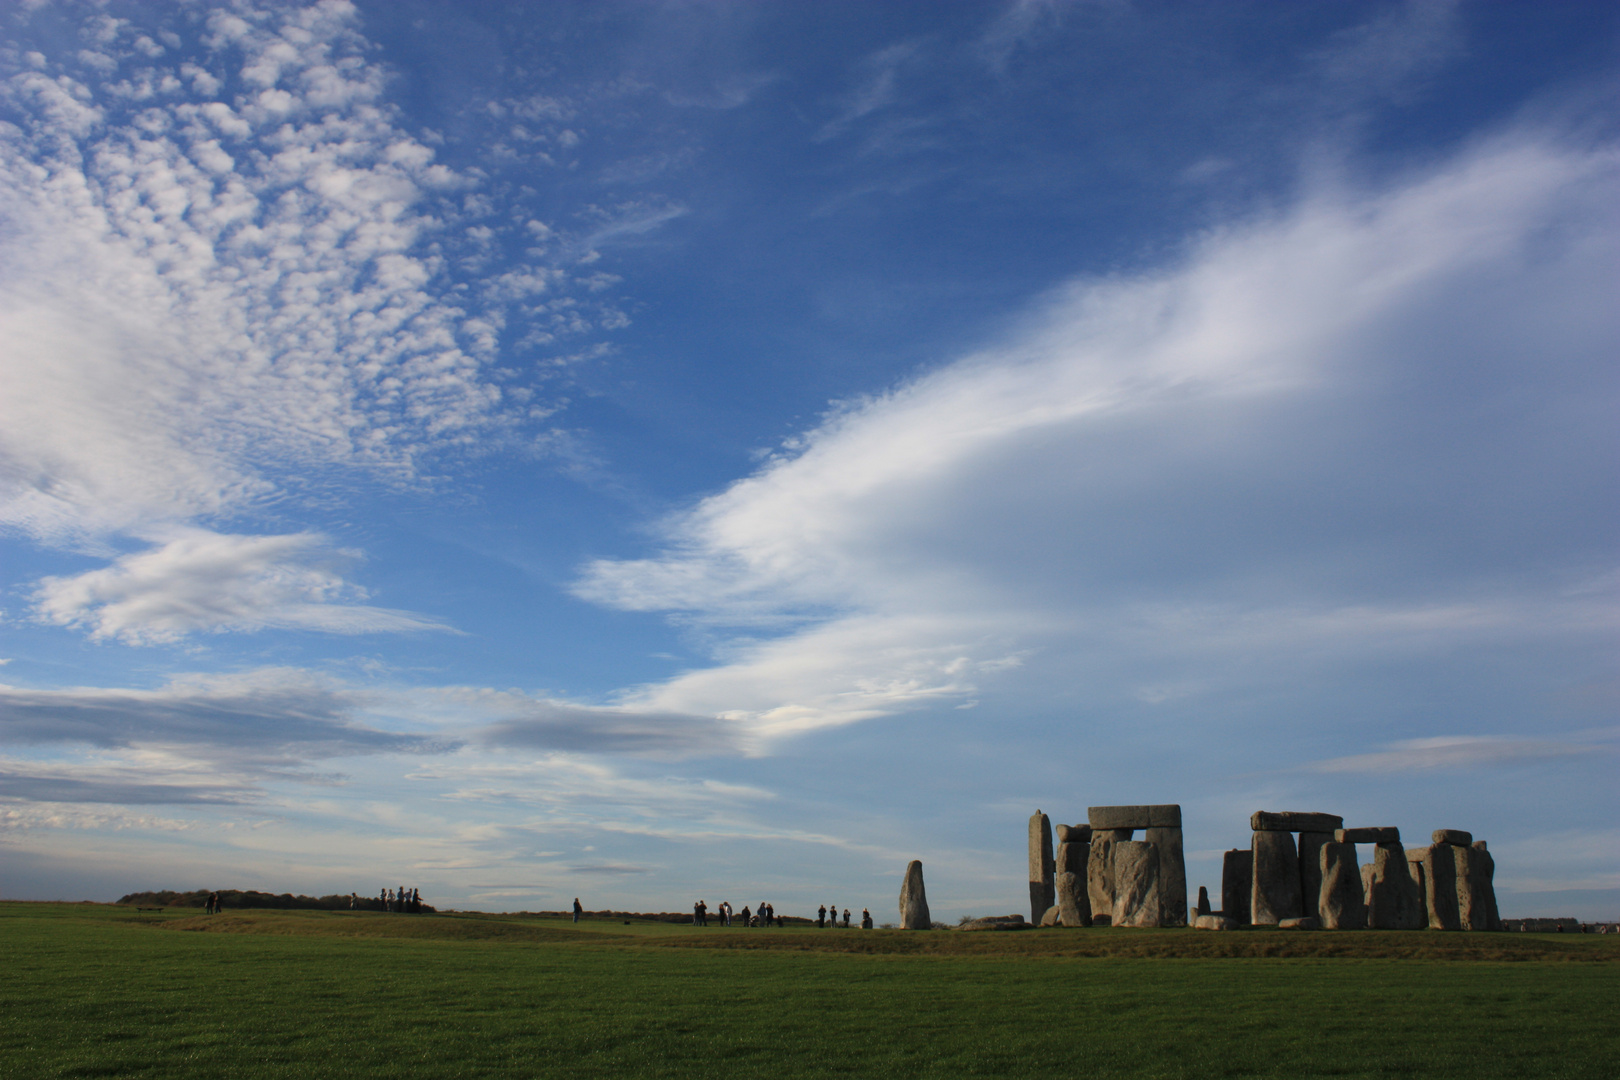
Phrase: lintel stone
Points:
(1386, 834)
(1162, 816)
(1453, 836)
(1294, 821)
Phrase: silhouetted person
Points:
(866, 919)
(700, 914)
(747, 916)
(821, 915)
(578, 911)
(846, 918)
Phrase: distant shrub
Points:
(252, 898)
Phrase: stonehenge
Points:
(914, 900)
(1126, 867)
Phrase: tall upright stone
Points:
(1172, 873)
(1414, 866)
(1310, 868)
(1476, 891)
(1100, 870)
(1394, 900)
(1275, 895)
(1137, 899)
(1440, 887)
(1074, 906)
(914, 900)
(1072, 854)
(1237, 884)
(1042, 867)
(1340, 903)
(1203, 901)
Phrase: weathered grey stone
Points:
(1237, 883)
(1452, 836)
(1136, 885)
(1307, 922)
(1310, 869)
(1414, 866)
(1161, 816)
(1294, 821)
(996, 922)
(1275, 895)
(1383, 834)
(1341, 904)
(1172, 874)
(1394, 900)
(1042, 867)
(1440, 887)
(1215, 922)
(1203, 901)
(1072, 856)
(1476, 889)
(914, 900)
(1074, 905)
(1100, 870)
(1050, 918)
(1073, 834)
(1478, 845)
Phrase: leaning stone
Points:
(1136, 885)
(1452, 836)
(1275, 895)
(1394, 898)
(1476, 891)
(1100, 870)
(1294, 821)
(1172, 873)
(1051, 916)
(1340, 904)
(1440, 887)
(914, 900)
(1214, 922)
(1385, 834)
(1042, 867)
(1118, 817)
(1203, 901)
(1310, 869)
(1074, 906)
(1237, 883)
(1305, 923)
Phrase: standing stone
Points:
(1136, 884)
(1172, 873)
(1440, 887)
(1073, 905)
(1275, 895)
(1237, 884)
(1203, 902)
(1414, 866)
(1476, 893)
(1394, 901)
(1042, 867)
(914, 900)
(1341, 905)
(1100, 870)
(1310, 868)
(1073, 855)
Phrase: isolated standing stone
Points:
(1042, 890)
(1172, 873)
(1073, 905)
(1275, 895)
(1310, 868)
(1237, 883)
(1440, 887)
(1340, 905)
(1203, 901)
(1476, 892)
(914, 900)
(1394, 901)
(1100, 869)
(1136, 884)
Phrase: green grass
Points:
(91, 990)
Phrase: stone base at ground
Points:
(1074, 905)
(1215, 922)
(1306, 923)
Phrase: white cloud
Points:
(205, 582)
(1454, 752)
(1278, 435)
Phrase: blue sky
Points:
(657, 451)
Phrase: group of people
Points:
(405, 900)
(766, 915)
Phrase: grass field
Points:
(94, 990)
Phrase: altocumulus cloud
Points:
(1277, 433)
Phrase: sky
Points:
(658, 451)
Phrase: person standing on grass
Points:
(746, 915)
(821, 916)
(578, 911)
(846, 918)
(866, 919)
